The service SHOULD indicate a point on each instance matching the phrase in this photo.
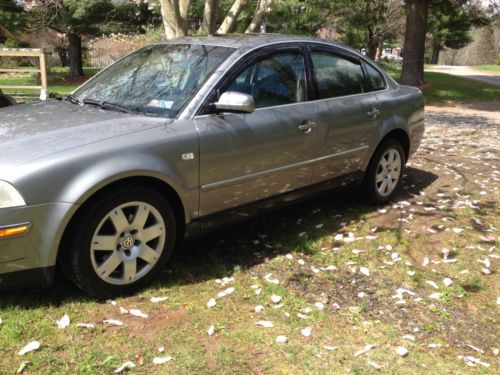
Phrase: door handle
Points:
(307, 126)
(373, 113)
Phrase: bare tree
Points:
(263, 8)
(209, 24)
(227, 25)
(174, 14)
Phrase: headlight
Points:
(9, 196)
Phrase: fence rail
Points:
(27, 52)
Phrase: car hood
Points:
(32, 131)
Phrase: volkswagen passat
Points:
(179, 136)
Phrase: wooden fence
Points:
(27, 52)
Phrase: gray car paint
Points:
(58, 154)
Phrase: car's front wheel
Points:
(120, 242)
(383, 176)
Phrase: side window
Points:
(336, 75)
(275, 80)
(376, 80)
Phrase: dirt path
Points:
(468, 72)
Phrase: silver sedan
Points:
(178, 137)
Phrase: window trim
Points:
(243, 63)
(367, 78)
(338, 53)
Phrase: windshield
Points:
(157, 80)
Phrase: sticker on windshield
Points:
(165, 104)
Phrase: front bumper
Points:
(32, 256)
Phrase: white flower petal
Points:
(127, 365)
(34, 345)
(63, 322)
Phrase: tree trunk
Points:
(414, 45)
(436, 48)
(371, 45)
(209, 23)
(259, 15)
(174, 14)
(63, 56)
(75, 54)
(227, 25)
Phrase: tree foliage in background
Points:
(450, 22)
(368, 23)
(11, 20)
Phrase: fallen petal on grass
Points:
(124, 367)
(113, 322)
(162, 360)
(63, 322)
(265, 323)
(34, 345)
(138, 313)
(281, 339)
(366, 348)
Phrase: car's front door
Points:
(249, 157)
(346, 113)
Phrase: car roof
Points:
(245, 42)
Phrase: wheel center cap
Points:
(128, 241)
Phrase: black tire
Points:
(370, 187)
(79, 258)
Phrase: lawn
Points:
(59, 82)
(420, 273)
(445, 88)
(489, 68)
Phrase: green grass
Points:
(58, 81)
(446, 88)
(489, 68)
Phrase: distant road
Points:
(466, 71)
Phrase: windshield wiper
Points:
(111, 106)
(73, 99)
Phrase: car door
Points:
(346, 114)
(249, 157)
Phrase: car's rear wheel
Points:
(383, 176)
(121, 241)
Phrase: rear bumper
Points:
(31, 257)
(35, 278)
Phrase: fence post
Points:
(44, 92)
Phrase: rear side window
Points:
(336, 75)
(275, 80)
(375, 79)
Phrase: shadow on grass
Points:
(246, 244)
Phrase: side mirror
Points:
(233, 101)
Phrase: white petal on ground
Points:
(330, 347)
(479, 350)
(22, 367)
(289, 256)
(265, 323)
(34, 345)
(123, 310)
(162, 360)
(275, 298)
(1, 321)
(447, 281)
(319, 305)
(435, 295)
(301, 262)
(111, 301)
(138, 313)
(258, 291)
(226, 292)
(63, 322)
(374, 365)
(401, 351)
(211, 330)
(361, 294)
(472, 361)
(161, 349)
(259, 308)
(458, 230)
(211, 303)
(409, 337)
(364, 270)
(432, 283)
(367, 348)
(410, 273)
(127, 365)
(433, 345)
(281, 339)
(425, 262)
(158, 299)
(113, 322)
(306, 332)
(85, 325)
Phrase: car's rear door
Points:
(248, 157)
(346, 114)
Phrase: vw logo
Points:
(128, 242)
